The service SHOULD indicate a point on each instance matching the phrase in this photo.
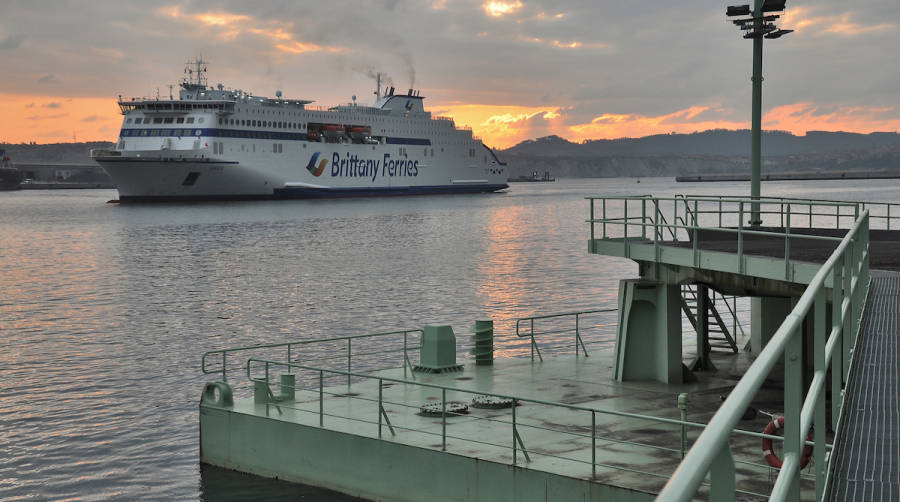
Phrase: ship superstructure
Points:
(10, 177)
(218, 143)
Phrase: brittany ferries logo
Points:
(316, 170)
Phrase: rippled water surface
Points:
(105, 309)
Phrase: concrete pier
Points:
(340, 443)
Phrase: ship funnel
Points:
(378, 87)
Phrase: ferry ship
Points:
(219, 143)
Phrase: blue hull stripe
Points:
(236, 133)
(322, 193)
(309, 193)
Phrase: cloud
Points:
(11, 42)
(52, 134)
(108, 53)
(231, 26)
(52, 105)
(803, 19)
(808, 116)
(47, 79)
(29, 105)
(498, 8)
(93, 118)
(618, 125)
(47, 117)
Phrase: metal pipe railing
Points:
(888, 210)
(531, 332)
(221, 355)
(692, 223)
(517, 440)
(851, 256)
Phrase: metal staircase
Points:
(719, 336)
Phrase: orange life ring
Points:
(769, 453)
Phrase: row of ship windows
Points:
(219, 148)
(199, 132)
(262, 123)
(243, 123)
(164, 120)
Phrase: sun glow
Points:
(230, 26)
(500, 8)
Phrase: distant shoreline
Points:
(65, 186)
(829, 175)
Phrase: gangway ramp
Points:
(865, 464)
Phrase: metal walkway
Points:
(866, 461)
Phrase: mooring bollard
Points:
(288, 384)
(484, 343)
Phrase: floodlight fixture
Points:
(757, 26)
(737, 10)
(773, 5)
(777, 34)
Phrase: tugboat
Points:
(10, 177)
(533, 178)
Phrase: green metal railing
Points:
(845, 275)
(220, 356)
(518, 428)
(531, 333)
(878, 211)
(642, 219)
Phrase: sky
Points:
(510, 69)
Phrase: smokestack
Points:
(378, 87)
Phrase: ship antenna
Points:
(196, 68)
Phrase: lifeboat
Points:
(333, 131)
(359, 133)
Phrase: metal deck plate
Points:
(866, 462)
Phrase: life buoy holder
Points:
(769, 453)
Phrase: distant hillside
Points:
(716, 142)
(67, 153)
(708, 152)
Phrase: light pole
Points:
(756, 27)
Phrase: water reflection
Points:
(105, 309)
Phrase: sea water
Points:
(105, 309)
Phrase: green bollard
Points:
(484, 343)
(288, 382)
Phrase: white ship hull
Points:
(348, 170)
(223, 144)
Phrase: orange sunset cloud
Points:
(56, 119)
(53, 119)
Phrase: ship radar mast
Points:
(196, 74)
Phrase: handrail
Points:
(887, 206)
(320, 375)
(578, 340)
(847, 267)
(652, 225)
(289, 345)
